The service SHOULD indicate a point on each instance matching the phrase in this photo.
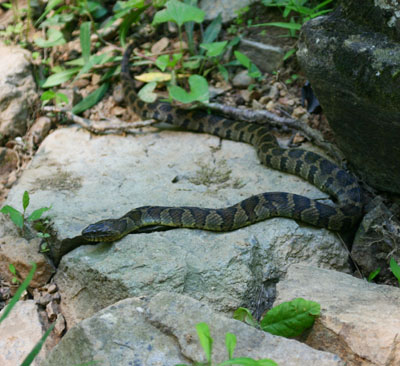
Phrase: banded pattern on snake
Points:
(319, 171)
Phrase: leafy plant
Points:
(13, 270)
(18, 218)
(395, 268)
(206, 341)
(302, 9)
(36, 349)
(288, 319)
(373, 274)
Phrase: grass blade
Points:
(19, 292)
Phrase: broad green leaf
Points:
(247, 361)
(395, 269)
(213, 29)
(291, 318)
(37, 214)
(60, 77)
(162, 62)
(206, 341)
(243, 59)
(91, 99)
(146, 93)
(198, 91)
(32, 354)
(47, 95)
(129, 19)
(25, 200)
(16, 217)
(244, 315)
(19, 292)
(179, 13)
(214, 49)
(84, 36)
(230, 342)
(54, 38)
(61, 98)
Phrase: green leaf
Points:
(198, 90)
(84, 36)
(54, 38)
(243, 59)
(91, 99)
(47, 95)
(292, 26)
(214, 49)
(223, 71)
(289, 54)
(37, 214)
(373, 274)
(19, 292)
(16, 217)
(49, 7)
(179, 13)
(206, 341)
(244, 315)
(212, 31)
(230, 342)
(60, 77)
(246, 361)
(395, 269)
(291, 318)
(146, 93)
(32, 354)
(12, 269)
(25, 200)
(164, 61)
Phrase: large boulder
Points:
(87, 178)
(162, 331)
(352, 59)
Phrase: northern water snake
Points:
(327, 176)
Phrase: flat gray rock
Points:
(87, 178)
(161, 331)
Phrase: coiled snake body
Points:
(319, 171)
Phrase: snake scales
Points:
(319, 171)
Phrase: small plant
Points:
(395, 269)
(373, 274)
(36, 349)
(303, 10)
(19, 218)
(206, 341)
(288, 319)
(13, 271)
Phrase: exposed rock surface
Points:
(22, 253)
(19, 333)
(359, 321)
(87, 178)
(227, 8)
(355, 72)
(161, 331)
(17, 91)
(267, 57)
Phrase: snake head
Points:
(105, 230)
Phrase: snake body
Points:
(319, 171)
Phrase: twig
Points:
(109, 128)
(262, 117)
